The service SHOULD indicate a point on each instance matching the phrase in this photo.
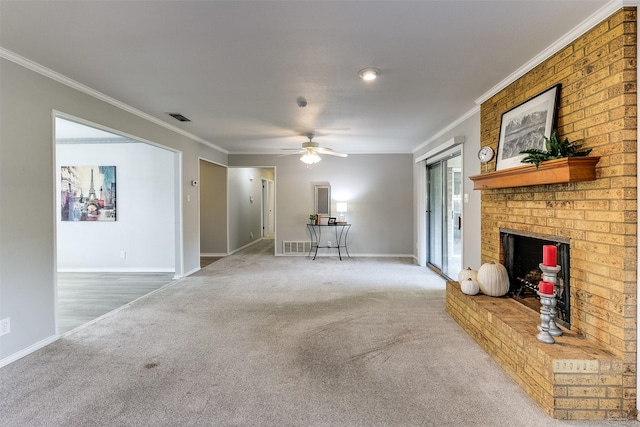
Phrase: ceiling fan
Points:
(311, 150)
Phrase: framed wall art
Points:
(525, 126)
(88, 193)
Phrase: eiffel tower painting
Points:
(79, 199)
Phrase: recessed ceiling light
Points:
(369, 74)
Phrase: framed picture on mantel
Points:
(525, 126)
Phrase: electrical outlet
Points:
(5, 326)
(123, 254)
(329, 243)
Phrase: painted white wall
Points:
(377, 187)
(470, 130)
(145, 223)
(27, 194)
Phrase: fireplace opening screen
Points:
(522, 257)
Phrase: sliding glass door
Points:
(444, 215)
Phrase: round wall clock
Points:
(485, 154)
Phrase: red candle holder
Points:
(545, 288)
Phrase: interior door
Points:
(268, 206)
(444, 215)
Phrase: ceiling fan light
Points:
(310, 158)
(369, 74)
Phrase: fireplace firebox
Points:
(522, 253)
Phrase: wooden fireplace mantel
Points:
(568, 169)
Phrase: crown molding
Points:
(448, 128)
(60, 78)
(597, 17)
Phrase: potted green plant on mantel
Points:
(556, 149)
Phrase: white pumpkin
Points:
(467, 273)
(493, 279)
(469, 286)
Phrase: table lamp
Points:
(342, 208)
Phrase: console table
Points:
(340, 232)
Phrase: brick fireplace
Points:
(522, 256)
(590, 373)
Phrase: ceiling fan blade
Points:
(330, 152)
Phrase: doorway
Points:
(213, 211)
(268, 207)
(117, 233)
(444, 215)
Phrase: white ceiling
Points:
(235, 68)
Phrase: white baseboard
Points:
(356, 255)
(25, 352)
(118, 270)
(213, 255)
(245, 246)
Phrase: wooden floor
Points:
(83, 297)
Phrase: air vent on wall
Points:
(179, 117)
(296, 248)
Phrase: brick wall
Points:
(598, 104)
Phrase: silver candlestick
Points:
(550, 274)
(545, 316)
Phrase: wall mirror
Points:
(323, 199)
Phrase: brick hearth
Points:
(572, 379)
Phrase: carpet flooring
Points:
(258, 340)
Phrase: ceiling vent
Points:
(179, 117)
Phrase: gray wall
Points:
(470, 129)
(27, 199)
(245, 215)
(213, 209)
(377, 187)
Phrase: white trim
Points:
(25, 352)
(54, 154)
(358, 255)
(179, 217)
(60, 78)
(381, 255)
(118, 270)
(351, 255)
(449, 127)
(440, 149)
(586, 25)
(213, 255)
(421, 217)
